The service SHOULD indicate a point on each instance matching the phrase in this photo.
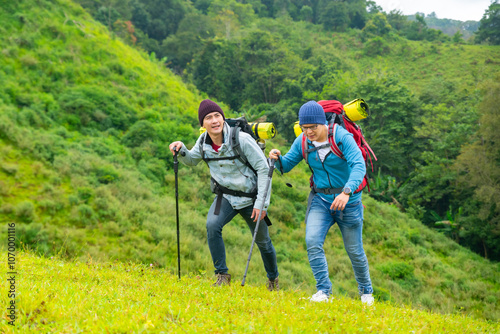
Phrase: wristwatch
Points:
(347, 191)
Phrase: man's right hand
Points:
(274, 154)
(175, 146)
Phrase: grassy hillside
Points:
(85, 172)
(126, 298)
(418, 65)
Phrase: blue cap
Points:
(311, 113)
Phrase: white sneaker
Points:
(367, 299)
(319, 296)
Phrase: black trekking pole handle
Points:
(266, 191)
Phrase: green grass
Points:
(409, 263)
(57, 296)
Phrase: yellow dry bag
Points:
(356, 110)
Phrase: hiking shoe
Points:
(367, 299)
(222, 279)
(273, 285)
(319, 296)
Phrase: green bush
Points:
(35, 236)
(376, 46)
(414, 236)
(85, 194)
(397, 270)
(84, 215)
(106, 174)
(9, 168)
(49, 206)
(94, 107)
(25, 211)
(7, 208)
(138, 133)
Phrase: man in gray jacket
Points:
(239, 189)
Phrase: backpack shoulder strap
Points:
(304, 148)
(332, 131)
(202, 151)
(236, 146)
(205, 158)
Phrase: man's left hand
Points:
(340, 202)
(255, 214)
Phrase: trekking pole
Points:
(269, 177)
(176, 168)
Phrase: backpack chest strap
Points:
(317, 148)
(220, 190)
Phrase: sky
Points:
(462, 10)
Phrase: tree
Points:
(357, 13)
(333, 15)
(181, 47)
(458, 37)
(306, 13)
(377, 25)
(397, 20)
(268, 67)
(479, 169)
(372, 7)
(389, 130)
(489, 28)
(162, 18)
(415, 30)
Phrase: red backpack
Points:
(336, 116)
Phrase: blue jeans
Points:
(215, 223)
(319, 220)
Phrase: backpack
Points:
(336, 116)
(241, 124)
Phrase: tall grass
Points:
(56, 296)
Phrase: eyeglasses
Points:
(306, 128)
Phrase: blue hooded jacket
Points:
(333, 172)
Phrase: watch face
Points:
(347, 191)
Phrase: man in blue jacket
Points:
(332, 198)
(239, 189)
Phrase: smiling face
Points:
(214, 123)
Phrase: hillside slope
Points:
(85, 172)
(61, 297)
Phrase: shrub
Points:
(112, 228)
(73, 200)
(25, 211)
(138, 133)
(153, 169)
(106, 174)
(7, 208)
(397, 270)
(94, 107)
(376, 47)
(10, 169)
(381, 293)
(414, 236)
(33, 235)
(105, 209)
(51, 207)
(84, 214)
(85, 194)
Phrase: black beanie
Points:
(206, 107)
